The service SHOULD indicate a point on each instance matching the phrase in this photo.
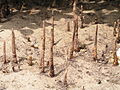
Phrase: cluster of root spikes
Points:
(74, 45)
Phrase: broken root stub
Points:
(68, 26)
(65, 79)
(43, 70)
(94, 54)
(71, 53)
(51, 73)
(15, 67)
(118, 40)
(47, 63)
(28, 39)
(83, 46)
(115, 62)
(30, 59)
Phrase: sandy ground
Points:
(83, 72)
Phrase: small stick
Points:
(68, 26)
(51, 64)
(43, 49)
(4, 52)
(30, 59)
(115, 62)
(95, 45)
